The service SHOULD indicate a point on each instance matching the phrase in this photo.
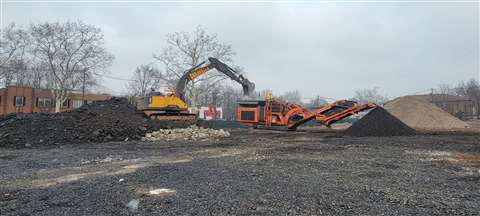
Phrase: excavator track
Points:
(187, 118)
(174, 117)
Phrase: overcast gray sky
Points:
(327, 49)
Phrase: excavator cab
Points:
(167, 107)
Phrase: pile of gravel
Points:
(112, 120)
(378, 122)
(423, 115)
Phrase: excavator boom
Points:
(193, 73)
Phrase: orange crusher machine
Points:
(277, 114)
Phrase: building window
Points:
(77, 103)
(18, 101)
(66, 104)
(44, 102)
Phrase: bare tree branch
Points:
(146, 77)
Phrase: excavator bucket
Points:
(248, 87)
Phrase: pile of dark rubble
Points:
(102, 121)
(380, 123)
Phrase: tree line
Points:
(469, 89)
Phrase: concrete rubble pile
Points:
(191, 133)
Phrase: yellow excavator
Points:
(172, 107)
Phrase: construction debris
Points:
(378, 122)
(191, 133)
(423, 115)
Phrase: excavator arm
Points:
(214, 63)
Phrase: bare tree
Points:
(316, 102)
(13, 44)
(292, 97)
(37, 76)
(473, 89)
(228, 100)
(469, 89)
(370, 95)
(187, 49)
(210, 96)
(445, 89)
(71, 50)
(146, 77)
(461, 89)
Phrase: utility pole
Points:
(83, 86)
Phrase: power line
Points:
(113, 77)
(124, 79)
(424, 91)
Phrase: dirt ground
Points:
(253, 172)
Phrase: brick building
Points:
(22, 99)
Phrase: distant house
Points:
(23, 99)
(458, 106)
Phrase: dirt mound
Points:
(379, 122)
(423, 115)
(112, 120)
